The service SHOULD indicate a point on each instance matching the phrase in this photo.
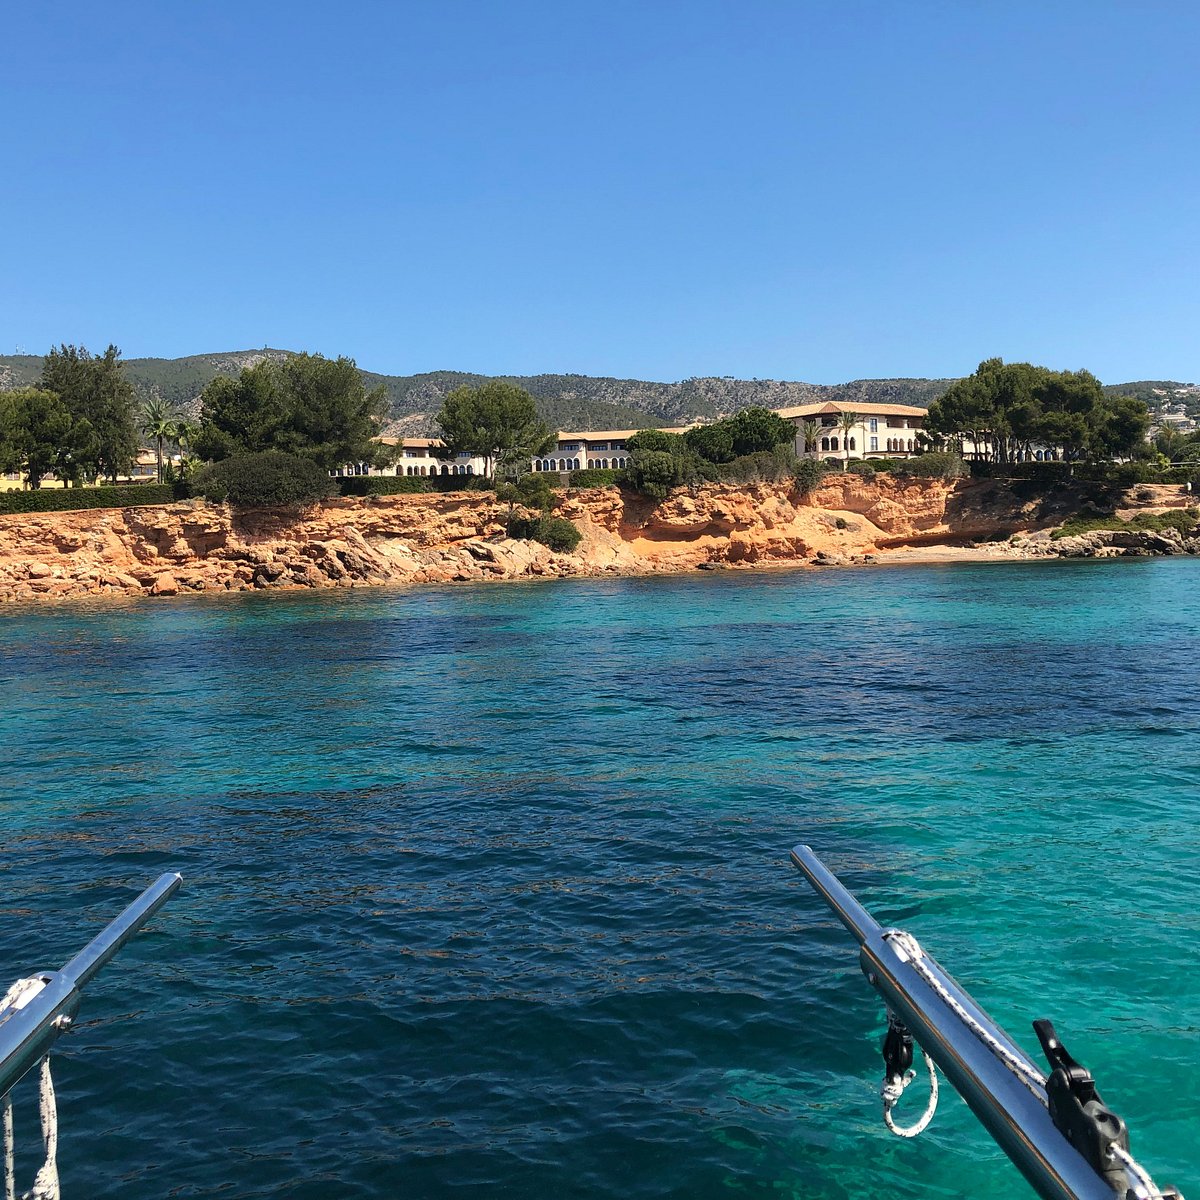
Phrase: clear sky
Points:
(645, 188)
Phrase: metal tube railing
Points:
(27, 1033)
(1011, 1113)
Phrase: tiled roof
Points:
(864, 409)
(608, 435)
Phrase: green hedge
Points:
(460, 483)
(935, 464)
(1049, 472)
(595, 477)
(74, 499)
(407, 485)
(1119, 474)
(382, 485)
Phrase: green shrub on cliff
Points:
(1184, 520)
(809, 472)
(268, 479)
(556, 532)
(661, 461)
(938, 464)
(763, 466)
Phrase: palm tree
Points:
(158, 424)
(185, 436)
(811, 431)
(847, 423)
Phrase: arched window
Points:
(833, 443)
(910, 445)
(850, 444)
(470, 470)
(445, 470)
(824, 443)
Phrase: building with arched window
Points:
(596, 449)
(882, 430)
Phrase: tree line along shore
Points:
(276, 433)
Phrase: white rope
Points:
(909, 950)
(892, 1089)
(19, 995)
(45, 1183)
(10, 1179)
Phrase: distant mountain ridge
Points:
(566, 402)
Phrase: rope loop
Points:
(892, 1089)
(908, 950)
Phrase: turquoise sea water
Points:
(487, 891)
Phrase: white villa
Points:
(883, 430)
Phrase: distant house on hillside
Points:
(882, 431)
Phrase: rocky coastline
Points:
(195, 547)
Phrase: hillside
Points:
(564, 401)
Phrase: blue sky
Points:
(652, 189)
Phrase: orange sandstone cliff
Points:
(196, 547)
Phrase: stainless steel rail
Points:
(28, 1033)
(1014, 1117)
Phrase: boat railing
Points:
(30, 1026)
(1056, 1130)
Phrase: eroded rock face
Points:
(196, 547)
(354, 542)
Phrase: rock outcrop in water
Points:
(197, 547)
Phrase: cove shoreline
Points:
(193, 547)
